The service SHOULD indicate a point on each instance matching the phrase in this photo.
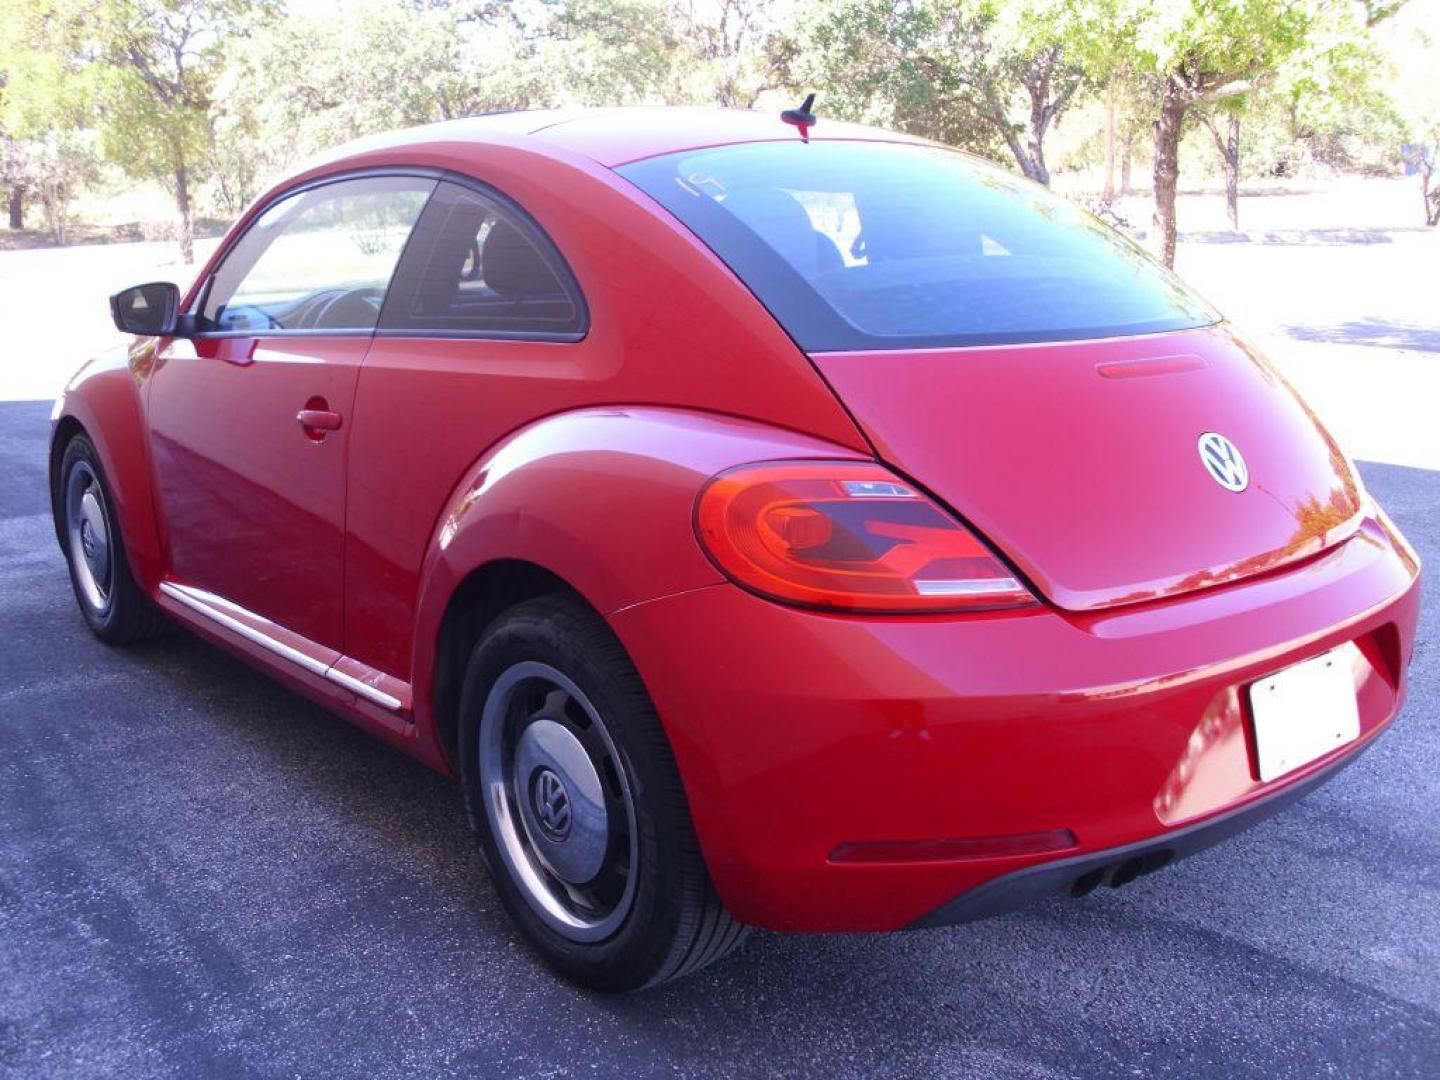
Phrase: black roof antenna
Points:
(802, 118)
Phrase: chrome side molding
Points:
(299, 650)
(363, 689)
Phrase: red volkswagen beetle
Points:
(814, 530)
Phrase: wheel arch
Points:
(479, 598)
(65, 429)
(104, 402)
(596, 503)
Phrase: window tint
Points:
(318, 260)
(478, 266)
(883, 246)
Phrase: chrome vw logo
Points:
(552, 804)
(1223, 462)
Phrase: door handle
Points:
(317, 419)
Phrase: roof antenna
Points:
(801, 118)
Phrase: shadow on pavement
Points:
(1376, 332)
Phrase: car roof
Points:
(613, 136)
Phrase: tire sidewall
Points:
(641, 946)
(81, 449)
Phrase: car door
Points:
(478, 336)
(250, 418)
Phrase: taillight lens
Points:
(850, 536)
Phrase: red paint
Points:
(1092, 486)
(253, 502)
(337, 490)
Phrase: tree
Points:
(1202, 53)
(976, 73)
(160, 59)
(46, 100)
(61, 163)
(610, 52)
(735, 51)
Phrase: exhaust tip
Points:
(1121, 873)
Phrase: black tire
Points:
(674, 923)
(115, 608)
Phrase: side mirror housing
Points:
(151, 310)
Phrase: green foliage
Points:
(1216, 48)
(582, 39)
(980, 74)
(906, 65)
(160, 59)
(215, 97)
(47, 103)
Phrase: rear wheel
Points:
(577, 804)
(113, 605)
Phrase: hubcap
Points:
(563, 811)
(558, 802)
(89, 535)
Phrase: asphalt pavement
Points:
(204, 875)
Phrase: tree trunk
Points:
(1229, 146)
(1035, 151)
(1431, 199)
(1110, 142)
(1127, 153)
(56, 203)
(17, 207)
(1041, 113)
(1020, 150)
(1232, 172)
(1167, 167)
(187, 224)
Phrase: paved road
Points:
(202, 875)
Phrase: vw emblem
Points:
(1223, 462)
(552, 804)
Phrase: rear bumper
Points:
(1118, 866)
(797, 732)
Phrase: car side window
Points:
(477, 266)
(320, 259)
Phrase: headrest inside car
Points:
(512, 267)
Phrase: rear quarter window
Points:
(477, 266)
(857, 246)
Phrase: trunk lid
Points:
(1081, 461)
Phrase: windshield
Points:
(856, 245)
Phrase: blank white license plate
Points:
(1304, 711)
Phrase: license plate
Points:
(1304, 711)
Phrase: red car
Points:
(806, 529)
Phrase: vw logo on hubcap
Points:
(1223, 462)
(552, 804)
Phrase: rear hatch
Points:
(1024, 362)
(1081, 460)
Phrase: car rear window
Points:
(856, 245)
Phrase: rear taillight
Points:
(850, 536)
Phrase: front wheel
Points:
(112, 603)
(577, 805)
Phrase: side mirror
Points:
(151, 310)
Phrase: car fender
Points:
(603, 498)
(105, 398)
